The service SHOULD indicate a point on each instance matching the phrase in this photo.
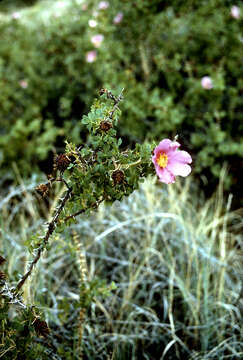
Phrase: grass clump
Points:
(175, 260)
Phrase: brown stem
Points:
(50, 229)
(94, 206)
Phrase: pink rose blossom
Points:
(170, 162)
(235, 12)
(97, 40)
(92, 23)
(91, 56)
(118, 18)
(207, 82)
(23, 84)
(103, 5)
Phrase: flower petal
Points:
(178, 168)
(163, 146)
(180, 156)
(165, 176)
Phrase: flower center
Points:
(162, 160)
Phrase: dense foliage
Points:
(158, 51)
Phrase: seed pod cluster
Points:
(105, 126)
(118, 177)
(62, 162)
(41, 327)
(2, 260)
(43, 189)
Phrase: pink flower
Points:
(235, 12)
(92, 23)
(97, 40)
(103, 5)
(118, 18)
(207, 82)
(23, 84)
(84, 7)
(16, 15)
(91, 56)
(170, 162)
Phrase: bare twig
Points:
(116, 102)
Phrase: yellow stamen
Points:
(162, 160)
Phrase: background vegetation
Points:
(163, 273)
(158, 52)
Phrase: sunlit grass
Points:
(176, 261)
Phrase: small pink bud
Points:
(23, 84)
(235, 12)
(207, 82)
(118, 18)
(97, 40)
(91, 56)
(103, 5)
(92, 23)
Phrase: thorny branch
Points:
(52, 224)
(116, 103)
(115, 99)
(50, 229)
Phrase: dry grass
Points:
(176, 261)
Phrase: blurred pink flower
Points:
(23, 84)
(169, 162)
(235, 12)
(60, 4)
(118, 18)
(16, 15)
(92, 23)
(91, 56)
(84, 7)
(97, 40)
(207, 82)
(103, 5)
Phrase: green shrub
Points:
(159, 53)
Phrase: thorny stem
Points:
(50, 229)
(116, 102)
(94, 206)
